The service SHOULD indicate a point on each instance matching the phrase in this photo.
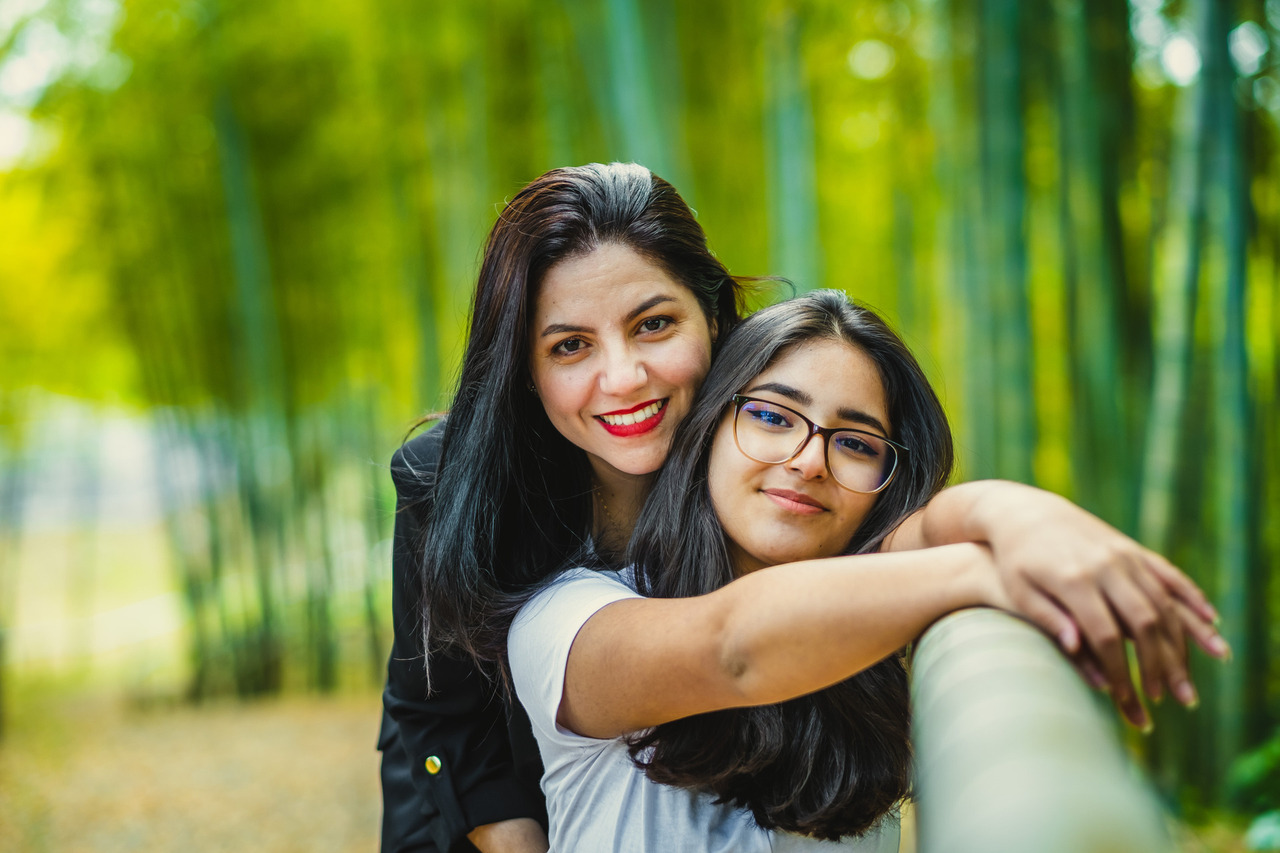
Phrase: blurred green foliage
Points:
(257, 225)
(1254, 779)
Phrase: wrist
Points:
(1001, 507)
(978, 583)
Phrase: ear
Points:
(715, 330)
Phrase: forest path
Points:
(297, 774)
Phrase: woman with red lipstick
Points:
(594, 321)
(593, 324)
(815, 434)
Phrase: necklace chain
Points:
(610, 527)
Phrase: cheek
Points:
(856, 513)
(725, 479)
(563, 395)
(686, 366)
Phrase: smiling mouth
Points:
(637, 421)
(633, 416)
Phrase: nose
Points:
(810, 461)
(623, 372)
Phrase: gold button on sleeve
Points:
(433, 764)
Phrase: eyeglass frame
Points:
(740, 400)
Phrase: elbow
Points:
(739, 666)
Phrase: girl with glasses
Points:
(814, 434)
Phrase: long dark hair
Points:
(831, 763)
(515, 503)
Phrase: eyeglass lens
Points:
(770, 433)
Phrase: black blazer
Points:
(460, 756)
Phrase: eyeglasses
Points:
(772, 433)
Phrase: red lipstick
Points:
(634, 408)
(637, 428)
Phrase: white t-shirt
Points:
(597, 800)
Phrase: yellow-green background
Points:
(237, 240)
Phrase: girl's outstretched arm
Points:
(1080, 580)
(770, 636)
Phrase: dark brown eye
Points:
(568, 346)
(656, 324)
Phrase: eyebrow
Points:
(844, 413)
(651, 302)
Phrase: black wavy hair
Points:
(831, 763)
(517, 505)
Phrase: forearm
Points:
(772, 635)
(970, 512)
(521, 835)
(797, 628)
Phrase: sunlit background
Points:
(237, 239)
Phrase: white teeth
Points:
(633, 417)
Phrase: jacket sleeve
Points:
(452, 744)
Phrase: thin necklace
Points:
(610, 525)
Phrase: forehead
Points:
(603, 282)
(832, 375)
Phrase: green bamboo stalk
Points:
(458, 158)
(416, 287)
(585, 19)
(666, 69)
(311, 513)
(260, 380)
(1093, 251)
(1232, 465)
(962, 302)
(171, 436)
(556, 90)
(1002, 235)
(1174, 752)
(1175, 296)
(376, 529)
(792, 171)
(642, 125)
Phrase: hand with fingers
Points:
(1093, 588)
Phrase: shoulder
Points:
(415, 462)
(421, 450)
(580, 591)
(542, 634)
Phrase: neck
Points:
(743, 563)
(619, 498)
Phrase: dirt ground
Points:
(288, 775)
(298, 774)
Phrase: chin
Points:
(777, 558)
(634, 467)
(642, 460)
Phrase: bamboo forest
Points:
(238, 242)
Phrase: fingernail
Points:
(1187, 695)
(1137, 713)
(1066, 639)
(1220, 648)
